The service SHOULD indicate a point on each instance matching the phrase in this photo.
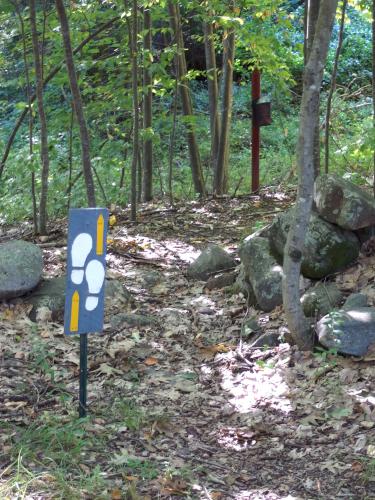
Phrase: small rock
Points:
(250, 327)
(151, 278)
(343, 203)
(121, 320)
(320, 299)
(349, 332)
(271, 339)
(21, 265)
(355, 300)
(221, 281)
(211, 260)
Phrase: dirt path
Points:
(180, 405)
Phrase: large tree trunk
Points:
(311, 18)
(333, 87)
(221, 166)
(187, 108)
(298, 324)
(42, 120)
(373, 80)
(77, 103)
(213, 88)
(147, 106)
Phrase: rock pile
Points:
(344, 218)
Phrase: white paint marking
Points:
(95, 278)
(81, 247)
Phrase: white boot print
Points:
(81, 247)
(95, 278)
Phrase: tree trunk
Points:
(31, 124)
(147, 106)
(213, 88)
(48, 78)
(42, 120)
(187, 108)
(373, 81)
(333, 87)
(171, 144)
(133, 34)
(221, 166)
(311, 18)
(77, 103)
(298, 324)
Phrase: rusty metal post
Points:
(255, 133)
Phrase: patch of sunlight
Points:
(362, 316)
(277, 269)
(262, 495)
(203, 300)
(251, 388)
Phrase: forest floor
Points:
(181, 407)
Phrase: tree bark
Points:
(133, 34)
(213, 88)
(42, 120)
(147, 106)
(221, 166)
(31, 124)
(373, 82)
(298, 324)
(187, 108)
(77, 103)
(48, 78)
(333, 87)
(311, 19)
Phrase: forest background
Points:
(145, 73)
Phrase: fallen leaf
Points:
(116, 494)
(151, 361)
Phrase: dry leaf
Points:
(116, 494)
(151, 361)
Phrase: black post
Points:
(83, 375)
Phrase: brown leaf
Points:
(357, 466)
(151, 361)
(116, 494)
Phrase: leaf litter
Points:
(184, 407)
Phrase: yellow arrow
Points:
(100, 235)
(74, 312)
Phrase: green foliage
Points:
(269, 34)
(354, 70)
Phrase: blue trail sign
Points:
(84, 299)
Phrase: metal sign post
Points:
(84, 299)
(255, 133)
(261, 108)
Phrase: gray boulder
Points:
(350, 332)
(355, 300)
(243, 285)
(262, 271)
(211, 260)
(21, 265)
(51, 294)
(320, 299)
(328, 248)
(343, 203)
